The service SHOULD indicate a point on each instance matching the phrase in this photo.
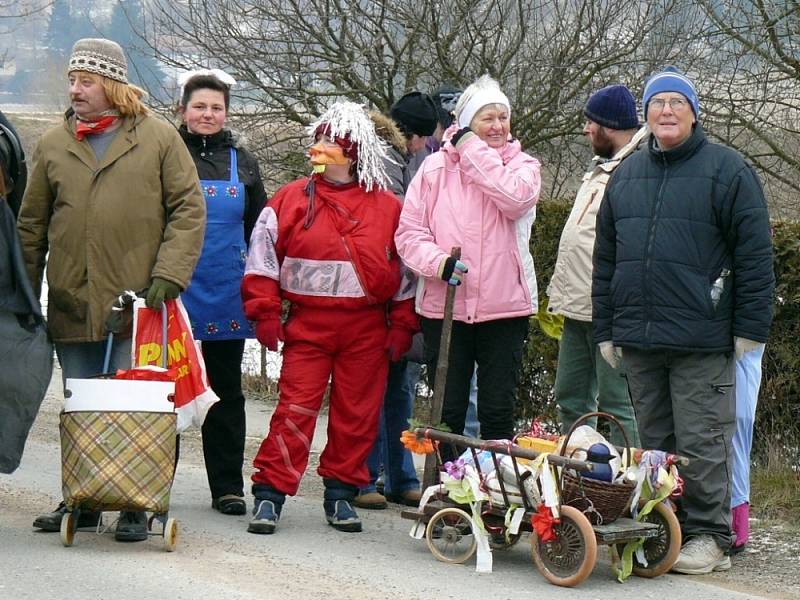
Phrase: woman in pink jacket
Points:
(479, 192)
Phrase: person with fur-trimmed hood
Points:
(326, 244)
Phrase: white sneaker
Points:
(701, 555)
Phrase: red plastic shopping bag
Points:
(193, 394)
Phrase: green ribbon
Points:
(626, 567)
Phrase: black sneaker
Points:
(52, 521)
(131, 527)
(229, 504)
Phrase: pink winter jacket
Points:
(483, 200)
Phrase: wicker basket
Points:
(601, 501)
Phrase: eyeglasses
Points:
(675, 104)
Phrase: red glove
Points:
(268, 332)
(398, 342)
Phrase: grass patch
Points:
(259, 387)
(775, 487)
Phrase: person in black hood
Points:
(234, 194)
(13, 161)
(682, 282)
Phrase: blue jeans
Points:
(472, 427)
(748, 382)
(400, 475)
(80, 360)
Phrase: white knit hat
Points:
(99, 56)
(350, 121)
(482, 92)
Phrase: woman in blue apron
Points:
(235, 195)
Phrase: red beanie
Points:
(349, 148)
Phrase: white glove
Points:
(742, 345)
(611, 353)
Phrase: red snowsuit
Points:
(336, 261)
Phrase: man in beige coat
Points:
(113, 196)
(584, 381)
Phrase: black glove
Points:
(459, 134)
(160, 290)
(452, 270)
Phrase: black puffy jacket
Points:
(211, 155)
(672, 223)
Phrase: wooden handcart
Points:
(567, 559)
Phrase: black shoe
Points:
(229, 504)
(52, 521)
(131, 527)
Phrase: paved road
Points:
(217, 559)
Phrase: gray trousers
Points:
(685, 403)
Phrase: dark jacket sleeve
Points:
(747, 230)
(604, 261)
(255, 195)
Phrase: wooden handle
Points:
(429, 477)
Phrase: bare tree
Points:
(752, 88)
(11, 14)
(294, 57)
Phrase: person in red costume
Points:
(326, 244)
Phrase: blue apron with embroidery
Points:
(213, 298)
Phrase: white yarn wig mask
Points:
(350, 120)
(482, 92)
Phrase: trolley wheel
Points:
(170, 535)
(449, 536)
(570, 558)
(69, 523)
(662, 551)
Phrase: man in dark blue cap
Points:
(584, 381)
(682, 284)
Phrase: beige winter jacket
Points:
(111, 226)
(570, 289)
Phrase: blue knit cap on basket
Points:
(671, 80)
(613, 107)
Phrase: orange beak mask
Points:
(327, 154)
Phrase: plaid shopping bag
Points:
(117, 460)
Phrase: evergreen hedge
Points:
(778, 414)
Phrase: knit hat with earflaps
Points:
(349, 125)
(99, 56)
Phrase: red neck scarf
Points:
(84, 128)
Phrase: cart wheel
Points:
(68, 526)
(570, 558)
(449, 536)
(661, 552)
(170, 535)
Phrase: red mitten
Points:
(398, 342)
(268, 332)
